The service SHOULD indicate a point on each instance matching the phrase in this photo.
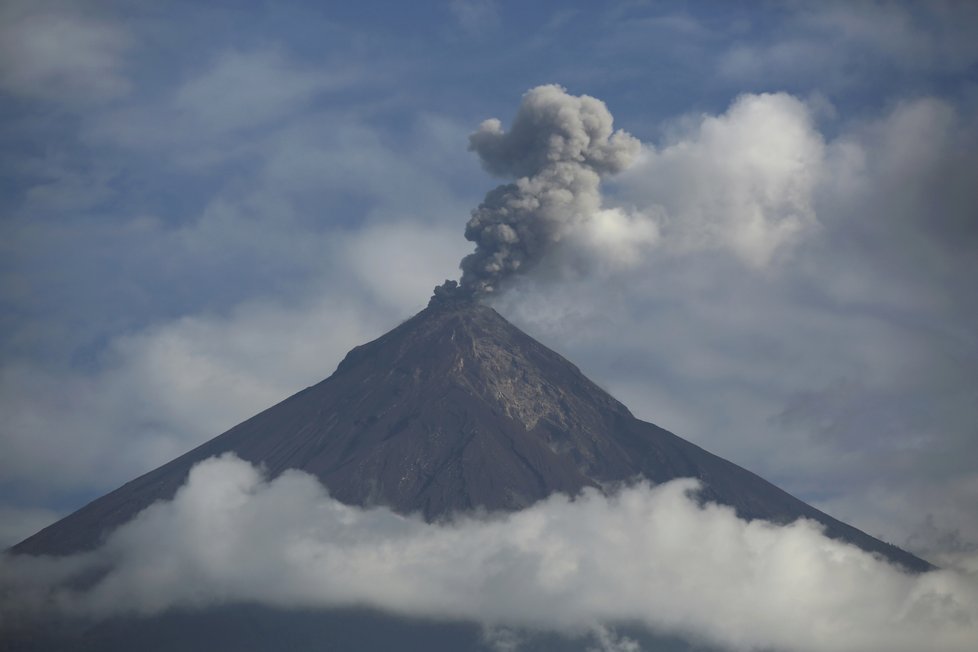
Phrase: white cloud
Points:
(58, 51)
(615, 239)
(741, 181)
(646, 555)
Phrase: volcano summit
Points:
(455, 410)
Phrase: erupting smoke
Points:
(741, 183)
(558, 148)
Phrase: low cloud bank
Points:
(650, 555)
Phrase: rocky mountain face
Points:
(453, 410)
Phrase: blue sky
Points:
(204, 207)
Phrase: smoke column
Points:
(558, 148)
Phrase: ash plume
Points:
(558, 148)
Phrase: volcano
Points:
(455, 410)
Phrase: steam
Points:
(558, 148)
(648, 555)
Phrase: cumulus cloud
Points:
(559, 146)
(742, 181)
(651, 555)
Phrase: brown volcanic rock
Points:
(455, 409)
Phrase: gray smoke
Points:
(558, 148)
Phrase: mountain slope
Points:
(455, 409)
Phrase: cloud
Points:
(844, 372)
(875, 298)
(742, 181)
(475, 17)
(152, 393)
(148, 334)
(57, 51)
(878, 300)
(905, 40)
(650, 555)
(242, 89)
(912, 172)
(232, 106)
(379, 254)
(609, 641)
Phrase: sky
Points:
(204, 206)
